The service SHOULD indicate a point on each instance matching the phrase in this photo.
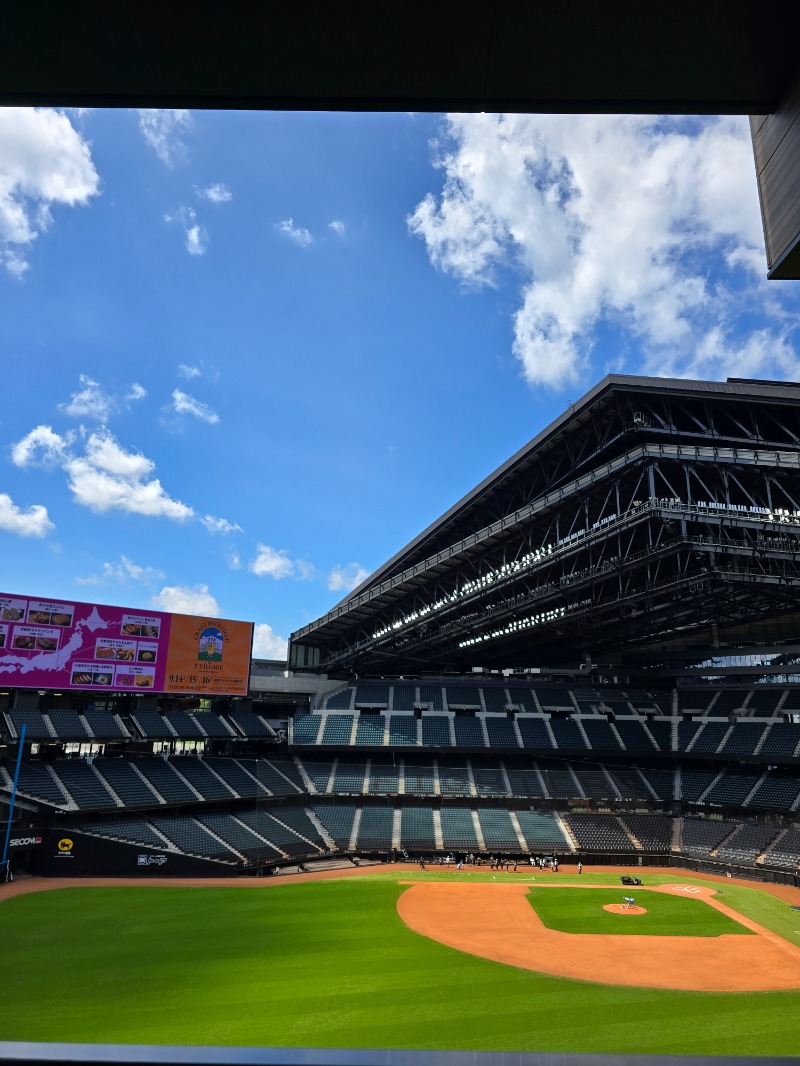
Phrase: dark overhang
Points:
(719, 56)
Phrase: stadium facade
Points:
(593, 655)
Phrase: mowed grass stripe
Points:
(579, 910)
(325, 964)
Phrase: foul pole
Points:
(13, 797)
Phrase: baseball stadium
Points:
(533, 786)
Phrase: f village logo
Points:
(151, 860)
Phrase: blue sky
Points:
(249, 356)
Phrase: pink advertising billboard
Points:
(51, 644)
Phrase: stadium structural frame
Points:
(655, 524)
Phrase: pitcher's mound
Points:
(623, 908)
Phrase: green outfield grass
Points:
(580, 910)
(330, 964)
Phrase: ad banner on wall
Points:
(51, 644)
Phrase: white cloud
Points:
(337, 226)
(346, 577)
(217, 194)
(164, 130)
(234, 559)
(90, 401)
(122, 572)
(612, 221)
(272, 563)
(135, 392)
(31, 523)
(41, 447)
(297, 234)
(181, 599)
(184, 404)
(44, 161)
(189, 372)
(220, 525)
(267, 644)
(105, 477)
(195, 234)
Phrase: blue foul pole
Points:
(13, 797)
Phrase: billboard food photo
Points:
(45, 644)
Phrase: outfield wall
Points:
(67, 853)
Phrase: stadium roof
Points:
(743, 389)
(656, 519)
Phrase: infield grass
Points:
(330, 964)
(580, 910)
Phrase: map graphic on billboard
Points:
(49, 644)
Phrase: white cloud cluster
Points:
(195, 233)
(183, 599)
(337, 226)
(612, 221)
(164, 130)
(184, 404)
(90, 400)
(44, 161)
(215, 194)
(296, 234)
(270, 562)
(35, 522)
(267, 644)
(122, 572)
(346, 578)
(104, 477)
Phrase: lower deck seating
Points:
(375, 830)
(541, 831)
(700, 836)
(337, 818)
(598, 832)
(458, 828)
(497, 829)
(416, 828)
(653, 831)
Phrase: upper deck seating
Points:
(534, 733)
(305, 728)
(87, 788)
(338, 729)
(201, 777)
(370, 730)
(501, 733)
(68, 725)
(126, 783)
(105, 726)
(436, 731)
(468, 731)
(403, 731)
